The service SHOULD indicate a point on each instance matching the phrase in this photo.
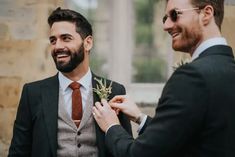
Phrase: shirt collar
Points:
(208, 43)
(85, 81)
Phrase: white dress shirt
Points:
(208, 43)
(85, 87)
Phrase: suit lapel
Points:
(94, 82)
(50, 95)
(99, 133)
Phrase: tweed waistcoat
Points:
(73, 141)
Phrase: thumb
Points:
(118, 98)
(117, 105)
(105, 103)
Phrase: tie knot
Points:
(74, 85)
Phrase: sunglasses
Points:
(174, 14)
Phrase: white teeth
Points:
(62, 55)
(174, 35)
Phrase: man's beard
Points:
(190, 38)
(75, 59)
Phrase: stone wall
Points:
(229, 24)
(24, 55)
(9, 95)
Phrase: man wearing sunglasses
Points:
(195, 116)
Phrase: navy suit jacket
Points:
(35, 127)
(195, 116)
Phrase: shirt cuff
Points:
(142, 123)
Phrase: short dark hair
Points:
(218, 6)
(83, 27)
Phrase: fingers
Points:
(117, 111)
(105, 103)
(99, 108)
(118, 99)
(104, 115)
(96, 109)
(116, 105)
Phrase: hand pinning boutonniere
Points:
(102, 90)
(182, 62)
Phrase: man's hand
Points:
(104, 115)
(127, 106)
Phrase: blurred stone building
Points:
(25, 56)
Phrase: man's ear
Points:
(88, 43)
(207, 14)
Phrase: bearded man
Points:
(195, 114)
(54, 117)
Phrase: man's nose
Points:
(59, 45)
(168, 24)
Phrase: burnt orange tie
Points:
(76, 103)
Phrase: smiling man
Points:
(195, 114)
(54, 117)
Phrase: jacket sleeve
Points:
(124, 120)
(178, 117)
(22, 129)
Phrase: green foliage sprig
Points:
(102, 90)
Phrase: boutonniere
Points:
(102, 90)
(180, 63)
